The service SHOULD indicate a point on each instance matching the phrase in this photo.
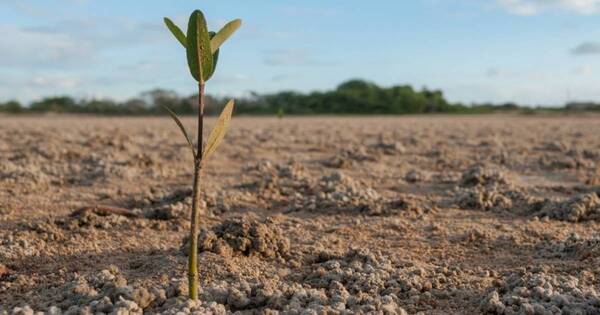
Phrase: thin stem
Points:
(193, 254)
(200, 117)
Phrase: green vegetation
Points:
(350, 97)
(202, 53)
(12, 107)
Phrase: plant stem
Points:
(193, 254)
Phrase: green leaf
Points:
(215, 60)
(176, 32)
(224, 34)
(215, 56)
(199, 55)
(182, 128)
(218, 132)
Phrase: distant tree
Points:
(61, 104)
(435, 101)
(100, 106)
(134, 106)
(189, 105)
(508, 106)
(158, 98)
(356, 85)
(582, 106)
(11, 107)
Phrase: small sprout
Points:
(202, 52)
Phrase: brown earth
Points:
(384, 215)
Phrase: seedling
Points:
(202, 51)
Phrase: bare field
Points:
(328, 215)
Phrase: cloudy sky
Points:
(529, 51)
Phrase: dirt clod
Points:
(480, 175)
(575, 209)
(541, 293)
(243, 236)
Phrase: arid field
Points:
(329, 215)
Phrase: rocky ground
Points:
(382, 215)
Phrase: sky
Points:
(534, 52)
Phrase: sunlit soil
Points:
(439, 214)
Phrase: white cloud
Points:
(55, 82)
(33, 48)
(585, 70)
(27, 88)
(533, 7)
(71, 42)
(587, 48)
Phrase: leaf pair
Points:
(202, 47)
(216, 134)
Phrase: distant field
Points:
(440, 214)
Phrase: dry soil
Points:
(328, 215)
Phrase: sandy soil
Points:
(430, 215)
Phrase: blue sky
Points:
(528, 51)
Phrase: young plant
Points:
(202, 51)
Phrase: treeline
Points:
(350, 97)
